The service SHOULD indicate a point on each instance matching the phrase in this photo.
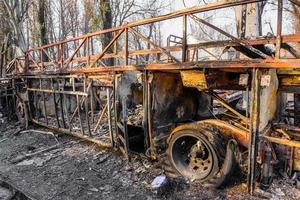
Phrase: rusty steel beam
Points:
(155, 45)
(233, 43)
(279, 28)
(197, 19)
(287, 64)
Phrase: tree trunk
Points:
(42, 21)
(42, 26)
(106, 17)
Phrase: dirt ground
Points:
(78, 170)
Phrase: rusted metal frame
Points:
(195, 9)
(32, 59)
(42, 58)
(297, 110)
(64, 106)
(149, 109)
(221, 64)
(230, 36)
(288, 64)
(184, 39)
(78, 106)
(58, 92)
(102, 63)
(296, 2)
(92, 101)
(279, 29)
(53, 61)
(47, 54)
(254, 130)
(126, 46)
(291, 50)
(62, 55)
(88, 51)
(44, 103)
(28, 113)
(227, 106)
(203, 45)
(62, 110)
(82, 99)
(105, 109)
(287, 126)
(109, 115)
(208, 53)
(125, 130)
(86, 106)
(153, 44)
(115, 49)
(55, 104)
(74, 53)
(26, 65)
(287, 142)
(48, 76)
(107, 47)
(115, 113)
(145, 110)
(64, 131)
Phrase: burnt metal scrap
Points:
(171, 109)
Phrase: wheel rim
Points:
(193, 156)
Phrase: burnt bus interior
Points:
(198, 117)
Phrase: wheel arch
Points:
(226, 129)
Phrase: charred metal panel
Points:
(172, 103)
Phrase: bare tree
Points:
(16, 11)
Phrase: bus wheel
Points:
(199, 155)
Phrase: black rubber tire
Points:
(218, 143)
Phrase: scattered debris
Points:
(5, 194)
(93, 190)
(29, 155)
(103, 159)
(3, 140)
(159, 182)
(41, 132)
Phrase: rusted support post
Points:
(279, 28)
(149, 109)
(67, 111)
(42, 59)
(44, 103)
(78, 106)
(184, 39)
(92, 101)
(28, 115)
(115, 105)
(297, 109)
(88, 51)
(109, 118)
(86, 105)
(115, 49)
(62, 110)
(254, 129)
(55, 106)
(145, 109)
(91, 46)
(126, 46)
